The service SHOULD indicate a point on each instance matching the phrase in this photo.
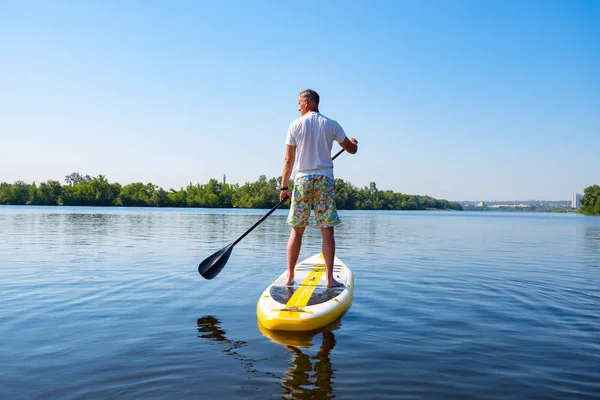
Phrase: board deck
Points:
(307, 304)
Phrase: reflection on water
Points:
(299, 383)
(209, 328)
(308, 377)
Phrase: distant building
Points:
(481, 204)
(576, 201)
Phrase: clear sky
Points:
(462, 100)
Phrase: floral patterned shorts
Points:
(316, 192)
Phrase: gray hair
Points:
(311, 95)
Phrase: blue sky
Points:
(463, 100)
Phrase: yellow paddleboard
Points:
(307, 304)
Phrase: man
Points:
(309, 142)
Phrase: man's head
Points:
(308, 100)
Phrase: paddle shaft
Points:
(272, 210)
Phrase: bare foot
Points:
(334, 283)
(289, 281)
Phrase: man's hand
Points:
(285, 195)
(350, 145)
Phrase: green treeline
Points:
(81, 190)
(590, 202)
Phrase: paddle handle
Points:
(273, 210)
(337, 154)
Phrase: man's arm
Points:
(288, 166)
(350, 145)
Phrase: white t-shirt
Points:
(313, 135)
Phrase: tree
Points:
(590, 202)
(341, 194)
(48, 193)
(4, 190)
(261, 194)
(76, 178)
(17, 193)
(160, 198)
(102, 193)
(178, 198)
(136, 194)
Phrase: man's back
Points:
(313, 135)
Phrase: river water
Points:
(107, 303)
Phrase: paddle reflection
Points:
(309, 377)
(209, 328)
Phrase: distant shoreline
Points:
(84, 190)
(493, 210)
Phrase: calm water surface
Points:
(107, 303)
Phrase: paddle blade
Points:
(213, 265)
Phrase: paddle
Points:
(213, 265)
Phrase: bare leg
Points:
(293, 251)
(329, 255)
